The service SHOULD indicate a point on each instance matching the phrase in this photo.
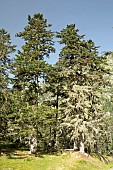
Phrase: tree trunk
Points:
(56, 122)
(89, 149)
(96, 147)
(33, 144)
(82, 147)
(75, 146)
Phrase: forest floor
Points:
(22, 160)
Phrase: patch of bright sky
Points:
(94, 18)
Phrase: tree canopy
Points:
(49, 107)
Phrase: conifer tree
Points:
(82, 69)
(30, 66)
(6, 48)
(106, 143)
(54, 86)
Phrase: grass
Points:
(87, 165)
(21, 160)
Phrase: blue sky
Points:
(94, 18)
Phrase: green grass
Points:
(87, 165)
(21, 160)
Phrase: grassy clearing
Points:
(87, 165)
(21, 160)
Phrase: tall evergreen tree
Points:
(54, 86)
(30, 66)
(82, 69)
(107, 99)
(6, 48)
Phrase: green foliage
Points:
(66, 105)
(82, 70)
(29, 68)
(29, 64)
(5, 60)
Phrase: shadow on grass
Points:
(10, 149)
(101, 158)
(13, 151)
(16, 157)
(24, 156)
(7, 151)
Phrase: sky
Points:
(94, 18)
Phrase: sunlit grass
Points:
(87, 165)
(21, 160)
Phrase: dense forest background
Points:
(47, 107)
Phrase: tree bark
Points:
(82, 147)
(56, 122)
(96, 147)
(33, 144)
(75, 146)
